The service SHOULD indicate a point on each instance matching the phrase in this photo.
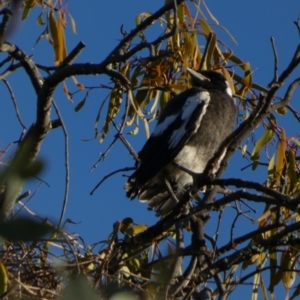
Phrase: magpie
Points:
(189, 131)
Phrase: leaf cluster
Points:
(158, 261)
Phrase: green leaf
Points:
(210, 51)
(292, 167)
(28, 6)
(136, 229)
(271, 167)
(78, 289)
(24, 229)
(32, 170)
(264, 140)
(113, 109)
(280, 155)
(3, 279)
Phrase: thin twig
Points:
(13, 98)
(67, 167)
(6, 60)
(124, 141)
(294, 112)
(109, 175)
(103, 155)
(10, 69)
(117, 53)
(251, 185)
(25, 203)
(275, 78)
(7, 14)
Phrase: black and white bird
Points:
(189, 131)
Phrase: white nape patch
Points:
(160, 128)
(190, 105)
(217, 166)
(228, 89)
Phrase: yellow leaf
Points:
(264, 289)
(91, 266)
(292, 174)
(135, 131)
(139, 112)
(281, 111)
(271, 167)
(180, 13)
(61, 38)
(280, 155)
(54, 36)
(207, 30)
(210, 51)
(256, 281)
(210, 14)
(139, 19)
(288, 261)
(250, 261)
(125, 270)
(296, 141)
(58, 37)
(73, 24)
(244, 150)
(3, 279)
(40, 20)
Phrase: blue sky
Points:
(252, 23)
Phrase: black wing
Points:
(179, 120)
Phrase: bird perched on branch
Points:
(188, 133)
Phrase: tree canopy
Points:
(179, 256)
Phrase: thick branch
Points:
(28, 64)
(286, 237)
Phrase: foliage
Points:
(145, 74)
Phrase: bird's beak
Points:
(197, 75)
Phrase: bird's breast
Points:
(191, 158)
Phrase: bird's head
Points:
(210, 80)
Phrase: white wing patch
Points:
(160, 128)
(187, 111)
(228, 89)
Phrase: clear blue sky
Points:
(252, 23)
